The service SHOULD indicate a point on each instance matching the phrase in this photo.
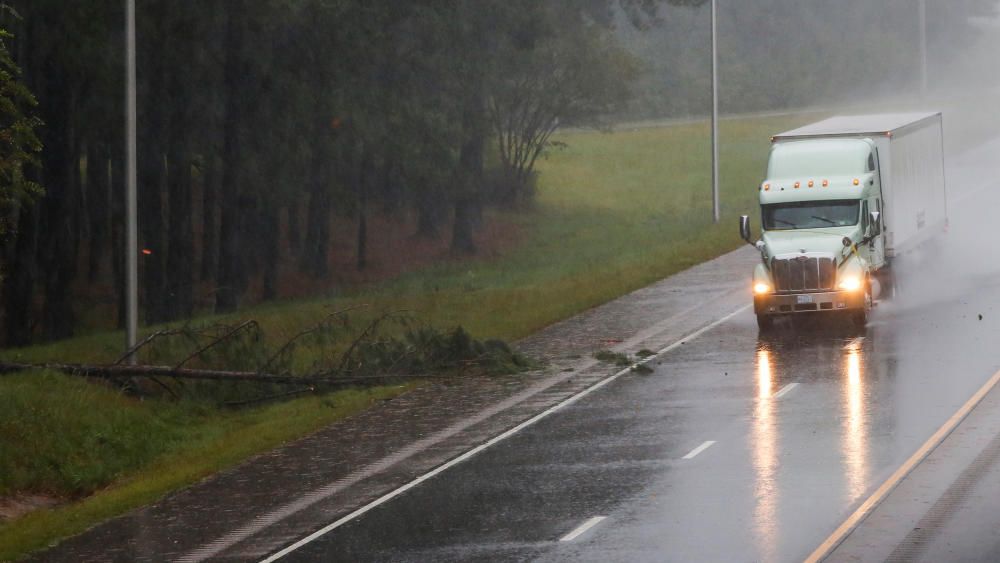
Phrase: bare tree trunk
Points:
(180, 253)
(470, 178)
(294, 226)
(210, 229)
(270, 219)
(361, 180)
(60, 218)
(99, 195)
(430, 212)
(116, 179)
(316, 246)
(231, 268)
(19, 280)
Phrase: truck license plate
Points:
(803, 299)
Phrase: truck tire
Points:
(859, 318)
(765, 322)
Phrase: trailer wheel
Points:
(765, 322)
(890, 286)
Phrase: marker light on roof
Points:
(810, 183)
(826, 183)
(767, 187)
(797, 185)
(857, 182)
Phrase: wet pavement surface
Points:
(739, 447)
(736, 447)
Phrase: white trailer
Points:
(910, 149)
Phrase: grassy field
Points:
(64, 437)
(613, 213)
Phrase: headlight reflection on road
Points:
(765, 459)
(764, 377)
(855, 441)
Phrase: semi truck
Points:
(844, 198)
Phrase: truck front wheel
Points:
(765, 322)
(860, 317)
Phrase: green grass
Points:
(613, 213)
(63, 436)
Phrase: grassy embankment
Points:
(614, 212)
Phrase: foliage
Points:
(568, 77)
(617, 358)
(19, 142)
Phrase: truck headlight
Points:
(761, 288)
(850, 283)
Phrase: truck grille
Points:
(803, 273)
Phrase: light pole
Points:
(131, 231)
(923, 47)
(715, 121)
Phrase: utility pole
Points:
(715, 120)
(131, 209)
(923, 48)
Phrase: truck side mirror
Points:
(874, 226)
(745, 228)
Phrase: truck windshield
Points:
(810, 214)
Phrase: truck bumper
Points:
(788, 303)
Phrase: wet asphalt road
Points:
(791, 432)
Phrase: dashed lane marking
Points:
(699, 449)
(582, 528)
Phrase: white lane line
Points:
(579, 531)
(699, 449)
(455, 461)
(784, 390)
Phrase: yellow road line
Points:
(866, 507)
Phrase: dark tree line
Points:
(263, 122)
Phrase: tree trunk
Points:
(210, 229)
(270, 220)
(294, 226)
(462, 241)
(98, 197)
(430, 212)
(231, 270)
(361, 179)
(316, 246)
(470, 178)
(116, 179)
(60, 161)
(19, 279)
(180, 253)
(152, 242)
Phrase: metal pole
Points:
(132, 238)
(923, 48)
(715, 121)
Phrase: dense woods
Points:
(263, 122)
(265, 126)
